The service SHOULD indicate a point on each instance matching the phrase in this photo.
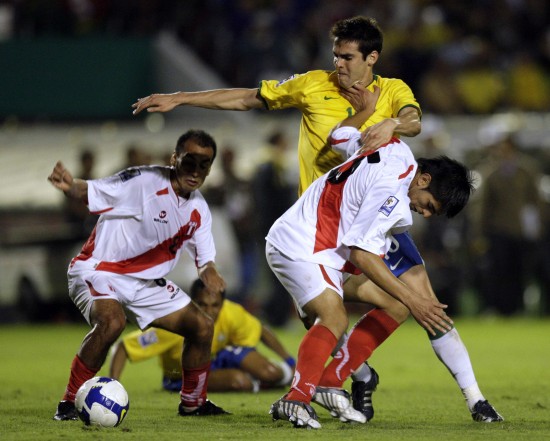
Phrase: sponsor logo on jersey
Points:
(160, 219)
(172, 290)
(128, 174)
(388, 206)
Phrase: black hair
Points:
(198, 136)
(451, 185)
(365, 31)
(197, 287)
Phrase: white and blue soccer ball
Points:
(102, 401)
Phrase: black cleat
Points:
(66, 411)
(207, 409)
(361, 394)
(483, 412)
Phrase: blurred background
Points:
(70, 70)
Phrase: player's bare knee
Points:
(241, 381)
(398, 312)
(271, 374)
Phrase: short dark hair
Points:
(365, 31)
(451, 185)
(197, 287)
(200, 137)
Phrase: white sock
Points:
(363, 373)
(288, 373)
(454, 355)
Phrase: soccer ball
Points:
(102, 401)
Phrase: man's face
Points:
(192, 166)
(422, 201)
(350, 65)
(210, 303)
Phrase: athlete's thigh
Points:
(417, 279)
(362, 290)
(185, 321)
(304, 281)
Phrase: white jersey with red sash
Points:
(359, 203)
(140, 203)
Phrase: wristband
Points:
(290, 361)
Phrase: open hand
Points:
(158, 102)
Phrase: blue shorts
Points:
(402, 254)
(230, 357)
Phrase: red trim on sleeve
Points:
(404, 175)
(101, 211)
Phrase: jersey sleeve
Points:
(402, 96)
(201, 246)
(117, 195)
(345, 140)
(284, 94)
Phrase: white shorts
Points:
(142, 300)
(303, 280)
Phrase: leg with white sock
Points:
(452, 352)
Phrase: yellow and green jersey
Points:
(235, 326)
(316, 95)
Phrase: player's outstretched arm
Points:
(220, 99)
(407, 123)
(428, 312)
(62, 179)
(270, 340)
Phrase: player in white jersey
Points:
(342, 224)
(148, 215)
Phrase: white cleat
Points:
(298, 413)
(337, 402)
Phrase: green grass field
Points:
(416, 399)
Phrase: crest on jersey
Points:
(287, 79)
(128, 174)
(388, 206)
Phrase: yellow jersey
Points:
(316, 95)
(235, 326)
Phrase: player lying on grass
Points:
(343, 224)
(148, 216)
(325, 98)
(236, 364)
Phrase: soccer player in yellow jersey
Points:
(236, 364)
(325, 98)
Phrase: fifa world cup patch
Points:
(388, 206)
(128, 174)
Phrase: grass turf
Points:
(416, 400)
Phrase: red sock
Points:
(313, 353)
(367, 334)
(194, 383)
(80, 373)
